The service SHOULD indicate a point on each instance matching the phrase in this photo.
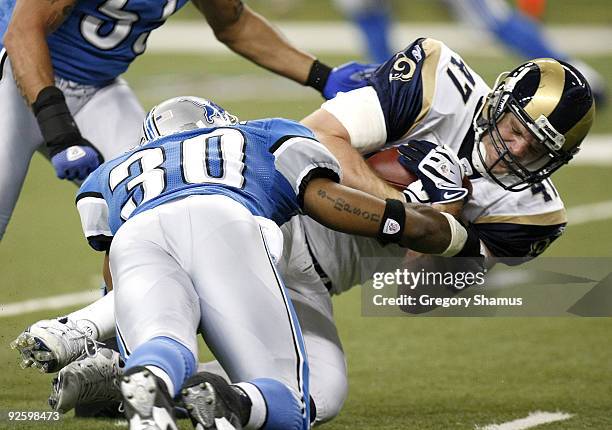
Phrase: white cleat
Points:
(49, 345)
(148, 406)
(86, 381)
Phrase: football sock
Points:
(172, 357)
(284, 411)
(99, 315)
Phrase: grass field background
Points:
(421, 373)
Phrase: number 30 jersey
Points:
(265, 165)
(428, 92)
(100, 38)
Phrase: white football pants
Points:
(109, 117)
(202, 261)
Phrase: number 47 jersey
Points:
(265, 165)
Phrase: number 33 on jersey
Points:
(264, 165)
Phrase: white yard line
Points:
(195, 37)
(532, 420)
(46, 303)
(589, 213)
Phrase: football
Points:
(385, 164)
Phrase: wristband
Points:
(54, 119)
(391, 228)
(318, 75)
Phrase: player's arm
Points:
(26, 43)
(355, 172)
(363, 121)
(73, 157)
(419, 227)
(251, 35)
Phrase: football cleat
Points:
(90, 380)
(49, 345)
(214, 404)
(148, 406)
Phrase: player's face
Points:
(519, 141)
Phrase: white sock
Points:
(98, 317)
(258, 408)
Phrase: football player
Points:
(188, 219)
(65, 59)
(510, 139)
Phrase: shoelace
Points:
(90, 346)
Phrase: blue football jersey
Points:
(264, 165)
(99, 39)
(6, 10)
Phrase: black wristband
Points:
(318, 75)
(393, 221)
(55, 120)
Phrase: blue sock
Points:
(375, 27)
(169, 355)
(523, 35)
(284, 411)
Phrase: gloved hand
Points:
(76, 161)
(437, 167)
(347, 77)
(415, 193)
(72, 156)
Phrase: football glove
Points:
(76, 161)
(347, 77)
(437, 167)
(414, 193)
(72, 156)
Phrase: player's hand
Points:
(347, 77)
(415, 193)
(76, 161)
(437, 167)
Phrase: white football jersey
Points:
(427, 92)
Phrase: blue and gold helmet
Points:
(553, 100)
(182, 114)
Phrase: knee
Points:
(329, 395)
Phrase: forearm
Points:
(252, 36)
(270, 49)
(30, 62)
(26, 44)
(355, 212)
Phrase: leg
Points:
(154, 300)
(247, 320)
(157, 315)
(19, 138)
(119, 107)
(373, 19)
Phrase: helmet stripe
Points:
(550, 89)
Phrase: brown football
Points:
(385, 164)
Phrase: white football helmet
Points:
(182, 114)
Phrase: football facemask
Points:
(553, 103)
(183, 114)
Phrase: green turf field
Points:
(405, 373)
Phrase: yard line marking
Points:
(532, 420)
(45, 303)
(314, 36)
(588, 213)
